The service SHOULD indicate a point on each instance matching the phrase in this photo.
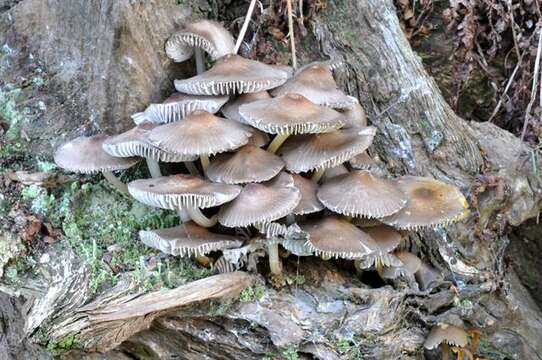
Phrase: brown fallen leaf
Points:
(45, 179)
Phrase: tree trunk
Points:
(332, 314)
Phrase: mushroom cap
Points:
(290, 114)
(431, 203)
(309, 202)
(277, 230)
(303, 153)
(231, 109)
(261, 202)
(410, 263)
(248, 164)
(208, 35)
(176, 191)
(188, 239)
(361, 193)
(427, 276)
(337, 238)
(316, 83)
(200, 133)
(445, 333)
(258, 138)
(232, 74)
(134, 142)
(355, 115)
(86, 155)
(177, 107)
(386, 238)
(362, 161)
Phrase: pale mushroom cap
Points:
(304, 153)
(411, 263)
(208, 35)
(361, 193)
(86, 155)
(178, 106)
(188, 239)
(290, 114)
(258, 138)
(134, 142)
(233, 74)
(386, 238)
(337, 238)
(316, 83)
(261, 202)
(362, 161)
(200, 133)
(248, 164)
(231, 109)
(444, 333)
(176, 191)
(431, 203)
(427, 276)
(355, 115)
(309, 202)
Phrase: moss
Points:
(290, 354)
(62, 345)
(252, 293)
(348, 349)
(487, 350)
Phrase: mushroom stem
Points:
(192, 169)
(113, 180)
(317, 175)
(291, 32)
(277, 142)
(199, 218)
(183, 215)
(244, 28)
(154, 168)
(200, 65)
(204, 162)
(445, 351)
(274, 260)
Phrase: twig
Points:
(291, 33)
(245, 26)
(534, 86)
(508, 84)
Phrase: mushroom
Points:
(201, 134)
(431, 203)
(208, 35)
(188, 239)
(410, 264)
(315, 82)
(387, 239)
(177, 107)
(354, 116)
(446, 335)
(289, 115)
(309, 203)
(86, 155)
(134, 142)
(248, 164)
(260, 203)
(427, 276)
(337, 238)
(318, 152)
(231, 109)
(361, 193)
(233, 74)
(362, 162)
(258, 138)
(183, 192)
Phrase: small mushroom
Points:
(318, 152)
(177, 107)
(233, 74)
(387, 239)
(201, 134)
(183, 192)
(446, 335)
(248, 164)
(362, 162)
(208, 35)
(410, 264)
(431, 203)
(337, 238)
(231, 109)
(427, 276)
(86, 155)
(315, 82)
(354, 115)
(309, 203)
(361, 193)
(188, 239)
(287, 115)
(134, 142)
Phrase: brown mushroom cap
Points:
(233, 74)
(231, 109)
(176, 191)
(304, 153)
(290, 114)
(337, 238)
(316, 83)
(410, 264)
(248, 164)
(261, 202)
(431, 203)
(208, 35)
(445, 333)
(355, 115)
(86, 155)
(309, 202)
(427, 276)
(362, 161)
(178, 106)
(386, 239)
(134, 142)
(258, 138)
(361, 193)
(188, 239)
(200, 133)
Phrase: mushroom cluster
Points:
(269, 150)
